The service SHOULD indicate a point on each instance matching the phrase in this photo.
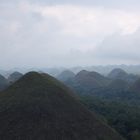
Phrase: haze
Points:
(68, 33)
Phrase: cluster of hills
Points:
(92, 81)
(115, 96)
(78, 106)
(39, 107)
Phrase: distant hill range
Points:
(86, 81)
(135, 69)
(122, 75)
(39, 107)
(117, 85)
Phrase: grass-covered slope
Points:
(38, 107)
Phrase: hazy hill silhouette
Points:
(65, 75)
(93, 79)
(87, 81)
(14, 77)
(118, 73)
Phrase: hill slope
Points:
(3, 82)
(135, 87)
(119, 84)
(38, 107)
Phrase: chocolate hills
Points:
(87, 81)
(66, 75)
(117, 74)
(38, 107)
(14, 77)
(120, 74)
(91, 79)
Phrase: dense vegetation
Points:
(122, 116)
(121, 108)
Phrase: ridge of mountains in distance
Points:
(73, 104)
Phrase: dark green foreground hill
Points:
(38, 107)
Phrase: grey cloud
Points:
(28, 39)
(104, 3)
(124, 48)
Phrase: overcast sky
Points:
(36, 33)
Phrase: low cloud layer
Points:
(40, 34)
